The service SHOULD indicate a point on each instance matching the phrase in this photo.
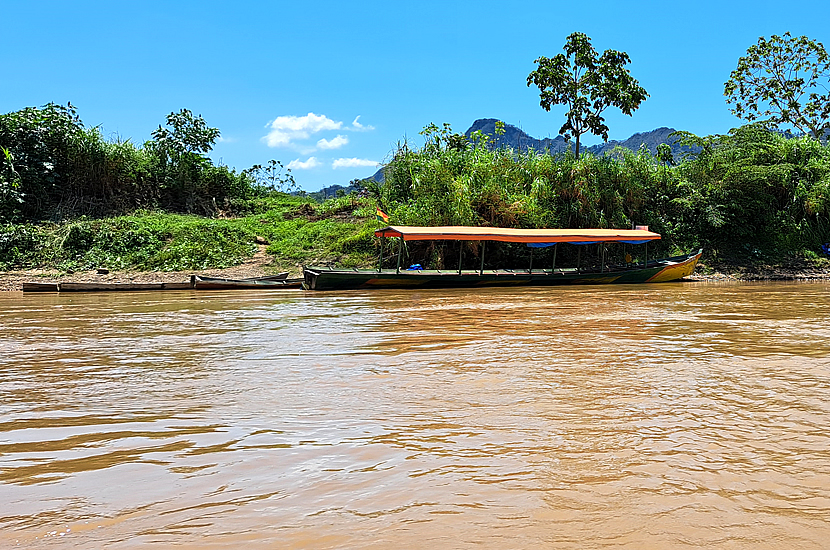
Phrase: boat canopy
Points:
(533, 237)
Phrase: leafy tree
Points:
(779, 80)
(665, 155)
(186, 134)
(42, 143)
(587, 84)
(10, 195)
(272, 177)
(438, 138)
(180, 151)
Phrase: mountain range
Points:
(519, 140)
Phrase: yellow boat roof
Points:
(511, 235)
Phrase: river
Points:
(676, 415)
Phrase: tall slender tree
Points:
(587, 83)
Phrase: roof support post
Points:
(646, 261)
(460, 255)
(481, 271)
(553, 267)
(380, 255)
(602, 261)
(400, 246)
(530, 269)
(578, 257)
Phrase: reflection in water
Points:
(655, 416)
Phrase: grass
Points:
(296, 232)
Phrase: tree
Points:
(587, 84)
(10, 196)
(272, 177)
(187, 134)
(778, 82)
(665, 155)
(180, 153)
(43, 145)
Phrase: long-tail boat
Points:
(645, 271)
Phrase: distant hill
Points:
(519, 140)
(331, 190)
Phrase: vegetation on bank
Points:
(291, 229)
(750, 196)
(72, 200)
(53, 168)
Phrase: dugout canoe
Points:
(274, 282)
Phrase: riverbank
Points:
(797, 269)
(261, 264)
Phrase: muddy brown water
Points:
(681, 415)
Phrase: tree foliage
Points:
(185, 134)
(780, 81)
(40, 145)
(53, 167)
(273, 177)
(10, 195)
(587, 83)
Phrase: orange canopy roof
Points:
(506, 234)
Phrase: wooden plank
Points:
(40, 287)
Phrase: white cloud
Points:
(352, 163)
(335, 143)
(222, 139)
(285, 129)
(358, 127)
(297, 164)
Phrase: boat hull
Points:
(275, 282)
(657, 271)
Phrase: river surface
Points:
(677, 415)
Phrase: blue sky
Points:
(332, 87)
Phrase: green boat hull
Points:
(668, 269)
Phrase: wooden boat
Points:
(199, 282)
(273, 282)
(647, 271)
(101, 287)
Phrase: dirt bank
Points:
(257, 266)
